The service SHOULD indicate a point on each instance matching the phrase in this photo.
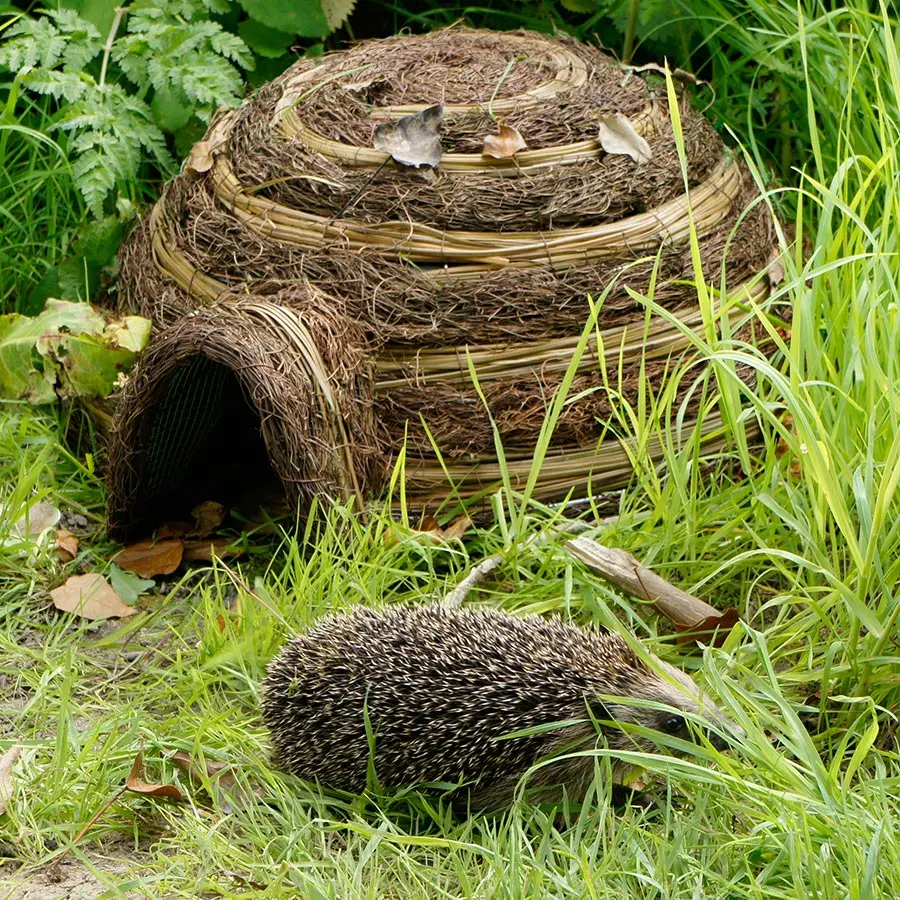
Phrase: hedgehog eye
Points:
(672, 724)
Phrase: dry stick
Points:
(457, 596)
(618, 566)
(624, 571)
(84, 830)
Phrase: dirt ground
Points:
(73, 879)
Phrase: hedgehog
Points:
(436, 694)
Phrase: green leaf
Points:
(99, 13)
(337, 11)
(87, 365)
(268, 42)
(127, 585)
(66, 351)
(98, 241)
(303, 17)
(78, 278)
(131, 333)
(169, 112)
(23, 374)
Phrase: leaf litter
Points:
(618, 137)
(7, 783)
(91, 597)
(225, 790)
(66, 545)
(136, 783)
(505, 144)
(150, 558)
(414, 140)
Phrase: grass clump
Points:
(801, 535)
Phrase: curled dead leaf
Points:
(457, 529)
(775, 268)
(7, 784)
(711, 631)
(224, 786)
(135, 783)
(506, 143)
(91, 597)
(205, 549)
(617, 136)
(66, 546)
(413, 140)
(682, 76)
(430, 527)
(203, 153)
(151, 558)
(208, 516)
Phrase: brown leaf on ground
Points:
(39, 518)
(457, 529)
(66, 546)
(617, 136)
(428, 525)
(710, 631)
(221, 775)
(413, 140)
(506, 143)
(204, 549)
(91, 597)
(135, 783)
(150, 558)
(208, 516)
(7, 784)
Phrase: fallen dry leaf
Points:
(91, 597)
(135, 783)
(204, 549)
(457, 529)
(413, 140)
(208, 516)
(775, 268)
(428, 525)
(680, 75)
(7, 785)
(617, 136)
(506, 143)
(150, 558)
(203, 153)
(200, 159)
(710, 631)
(66, 546)
(223, 783)
(39, 518)
(172, 530)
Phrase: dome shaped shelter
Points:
(340, 297)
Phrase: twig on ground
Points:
(625, 572)
(457, 596)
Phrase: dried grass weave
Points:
(400, 276)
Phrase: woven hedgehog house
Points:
(320, 308)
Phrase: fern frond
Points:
(68, 86)
(31, 43)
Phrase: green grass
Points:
(808, 807)
(39, 208)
